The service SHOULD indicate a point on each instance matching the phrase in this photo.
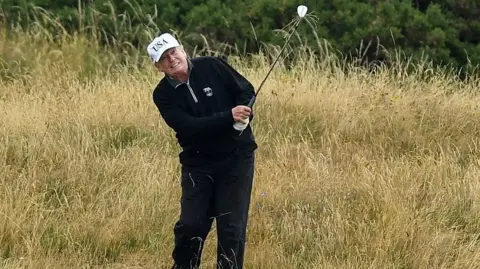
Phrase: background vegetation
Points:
(446, 32)
(355, 169)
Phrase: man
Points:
(204, 101)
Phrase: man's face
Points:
(173, 62)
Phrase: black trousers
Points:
(223, 194)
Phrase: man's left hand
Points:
(241, 125)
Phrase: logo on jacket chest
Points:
(208, 91)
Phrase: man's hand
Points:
(241, 113)
(240, 126)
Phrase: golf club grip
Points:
(252, 101)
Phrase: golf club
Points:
(301, 11)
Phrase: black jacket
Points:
(200, 111)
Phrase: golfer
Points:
(204, 101)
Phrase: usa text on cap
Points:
(160, 44)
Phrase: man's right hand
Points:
(241, 113)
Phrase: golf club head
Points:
(302, 10)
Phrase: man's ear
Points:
(184, 52)
(158, 67)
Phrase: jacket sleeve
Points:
(241, 88)
(186, 125)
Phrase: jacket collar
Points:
(175, 83)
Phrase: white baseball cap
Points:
(160, 44)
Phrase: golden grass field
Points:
(359, 171)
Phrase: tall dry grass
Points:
(353, 171)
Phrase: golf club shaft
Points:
(252, 100)
(254, 97)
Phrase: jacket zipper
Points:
(191, 92)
